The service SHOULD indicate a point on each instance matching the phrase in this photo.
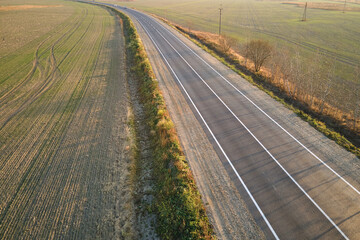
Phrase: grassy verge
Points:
(178, 205)
(276, 94)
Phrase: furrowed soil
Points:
(66, 167)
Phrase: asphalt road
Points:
(292, 192)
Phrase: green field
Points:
(334, 33)
(64, 163)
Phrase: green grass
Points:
(24, 26)
(178, 205)
(272, 20)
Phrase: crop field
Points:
(334, 33)
(65, 165)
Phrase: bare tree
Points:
(273, 64)
(285, 65)
(286, 68)
(356, 95)
(327, 82)
(189, 24)
(313, 76)
(242, 47)
(226, 43)
(244, 52)
(258, 51)
(298, 76)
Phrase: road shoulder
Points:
(225, 207)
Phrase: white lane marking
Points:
(278, 163)
(308, 150)
(212, 134)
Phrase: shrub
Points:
(258, 51)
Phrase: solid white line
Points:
(278, 163)
(308, 150)
(212, 134)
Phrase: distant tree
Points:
(258, 51)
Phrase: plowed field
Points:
(64, 162)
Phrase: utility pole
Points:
(220, 9)
(344, 7)
(304, 15)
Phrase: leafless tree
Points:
(243, 49)
(298, 76)
(273, 65)
(313, 77)
(327, 82)
(226, 43)
(189, 25)
(258, 51)
(284, 64)
(356, 95)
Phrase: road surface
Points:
(293, 191)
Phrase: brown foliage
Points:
(226, 43)
(258, 51)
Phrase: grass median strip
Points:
(178, 205)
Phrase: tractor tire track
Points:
(30, 172)
(19, 143)
(47, 83)
(37, 56)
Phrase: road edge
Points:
(313, 121)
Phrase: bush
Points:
(258, 51)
